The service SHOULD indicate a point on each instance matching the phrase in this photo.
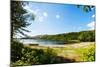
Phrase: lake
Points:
(41, 42)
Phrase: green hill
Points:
(72, 37)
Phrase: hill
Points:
(82, 36)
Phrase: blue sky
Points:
(58, 18)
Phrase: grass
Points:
(77, 51)
(36, 55)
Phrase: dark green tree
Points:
(18, 26)
(87, 36)
(86, 8)
(18, 18)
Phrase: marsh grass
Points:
(54, 55)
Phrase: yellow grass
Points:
(71, 51)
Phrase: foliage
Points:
(72, 37)
(89, 55)
(87, 36)
(35, 56)
(18, 26)
(16, 48)
(18, 63)
(18, 18)
(86, 8)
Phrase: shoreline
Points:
(74, 45)
(71, 51)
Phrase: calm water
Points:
(41, 42)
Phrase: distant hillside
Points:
(84, 36)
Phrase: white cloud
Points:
(92, 8)
(57, 16)
(93, 16)
(45, 14)
(40, 19)
(91, 25)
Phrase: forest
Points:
(71, 37)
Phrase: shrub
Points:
(33, 44)
(89, 55)
(48, 56)
(16, 50)
(73, 41)
(35, 56)
(18, 63)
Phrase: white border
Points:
(83, 2)
(5, 33)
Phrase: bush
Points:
(73, 41)
(36, 56)
(89, 55)
(33, 44)
(16, 50)
(48, 56)
(31, 56)
(18, 63)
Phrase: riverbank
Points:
(75, 45)
(74, 51)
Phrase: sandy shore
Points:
(71, 51)
(75, 45)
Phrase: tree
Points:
(87, 36)
(86, 8)
(18, 26)
(18, 19)
(84, 37)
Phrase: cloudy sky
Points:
(58, 18)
